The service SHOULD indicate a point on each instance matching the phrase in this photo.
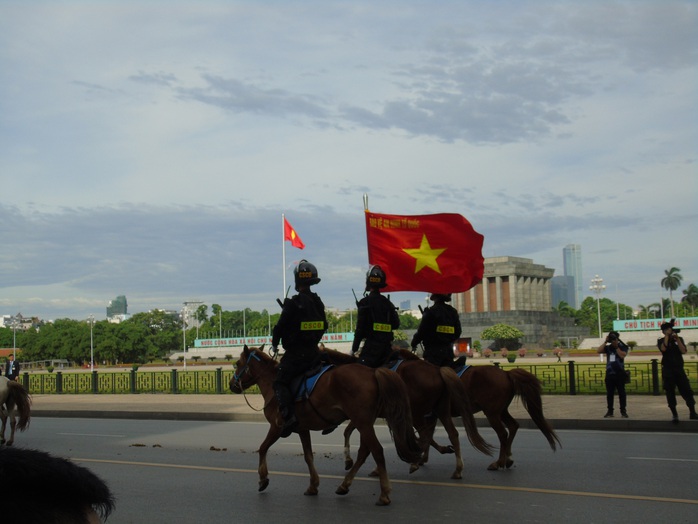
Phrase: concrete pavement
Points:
(646, 412)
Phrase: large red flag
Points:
(290, 234)
(439, 253)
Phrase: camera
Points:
(673, 322)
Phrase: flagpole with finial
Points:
(365, 201)
(283, 250)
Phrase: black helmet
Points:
(305, 273)
(375, 278)
(446, 297)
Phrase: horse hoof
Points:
(341, 490)
(383, 501)
(457, 475)
(374, 473)
(448, 450)
(348, 464)
(510, 463)
(310, 492)
(263, 484)
(493, 467)
(413, 468)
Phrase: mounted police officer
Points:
(376, 320)
(300, 328)
(439, 329)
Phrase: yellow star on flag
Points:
(425, 256)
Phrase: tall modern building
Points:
(572, 262)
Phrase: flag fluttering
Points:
(291, 235)
(439, 253)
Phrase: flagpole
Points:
(365, 201)
(283, 250)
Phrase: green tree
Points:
(504, 336)
(690, 296)
(671, 281)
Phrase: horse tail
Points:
(21, 399)
(394, 406)
(528, 388)
(460, 400)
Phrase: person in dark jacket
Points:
(12, 368)
(438, 331)
(299, 329)
(616, 351)
(674, 376)
(376, 319)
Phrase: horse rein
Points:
(238, 376)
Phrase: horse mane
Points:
(405, 354)
(333, 356)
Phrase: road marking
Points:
(662, 459)
(90, 435)
(399, 481)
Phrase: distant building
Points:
(516, 292)
(563, 290)
(117, 309)
(572, 266)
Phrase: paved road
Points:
(167, 471)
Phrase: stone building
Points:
(517, 292)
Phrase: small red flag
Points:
(439, 253)
(290, 234)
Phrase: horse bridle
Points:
(238, 376)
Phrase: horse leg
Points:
(452, 432)
(513, 426)
(262, 470)
(3, 415)
(361, 456)
(308, 455)
(500, 430)
(369, 442)
(348, 462)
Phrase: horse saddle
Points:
(304, 384)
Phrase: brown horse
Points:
(13, 399)
(434, 393)
(354, 392)
(491, 390)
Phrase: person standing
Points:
(438, 330)
(674, 376)
(376, 319)
(615, 351)
(12, 368)
(299, 329)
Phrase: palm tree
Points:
(671, 282)
(690, 296)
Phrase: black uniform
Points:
(674, 376)
(376, 320)
(439, 329)
(300, 328)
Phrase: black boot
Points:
(692, 410)
(674, 415)
(285, 401)
(609, 413)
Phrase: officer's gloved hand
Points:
(414, 349)
(275, 350)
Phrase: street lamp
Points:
(597, 288)
(92, 346)
(184, 338)
(14, 337)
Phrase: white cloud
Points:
(149, 149)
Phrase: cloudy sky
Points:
(149, 149)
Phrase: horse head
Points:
(247, 368)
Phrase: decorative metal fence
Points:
(571, 378)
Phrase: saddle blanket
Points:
(461, 370)
(303, 385)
